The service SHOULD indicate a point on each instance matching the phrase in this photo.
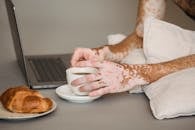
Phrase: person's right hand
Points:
(83, 54)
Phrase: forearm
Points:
(162, 69)
(118, 51)
(149, 8)
(146, 8)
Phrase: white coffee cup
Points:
(75, 73)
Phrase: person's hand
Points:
(110, 78)
(84, 54)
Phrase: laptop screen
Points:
(15, 35)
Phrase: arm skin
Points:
(154, 72)
(114, 77)
(146, 8)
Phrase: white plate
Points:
(65, 92)
(5, 114)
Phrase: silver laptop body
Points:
(40, 71)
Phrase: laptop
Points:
(40, 71)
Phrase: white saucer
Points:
(65, 92)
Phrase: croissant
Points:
(22, 99)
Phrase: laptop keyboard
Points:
(48, 69)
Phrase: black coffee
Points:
(81, 73)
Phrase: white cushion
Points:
(173, 95)
(164, 41)
(115, 38)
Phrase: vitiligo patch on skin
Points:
(147, 8)
(117, 52)
(114, 77)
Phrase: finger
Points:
(100, 92)
(90, 63)
(75, 57)
(86, 79)
(81, 54)
(84, 64)
(92, 86)
(95, 63)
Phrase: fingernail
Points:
(82, 89)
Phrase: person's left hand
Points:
(110, 78)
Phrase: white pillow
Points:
(164, 41)
(173, 95)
